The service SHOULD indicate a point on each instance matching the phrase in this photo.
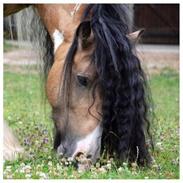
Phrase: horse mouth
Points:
(81, 160)
(84, 161)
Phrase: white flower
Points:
(50, 163)
(8, 167)
(120, 169)
(108, 165)
(28, 176)
(102, 170)
(22, 164)
(43, 175)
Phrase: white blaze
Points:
(58, 39)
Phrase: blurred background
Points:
(161, 36)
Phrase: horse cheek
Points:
(53, 83)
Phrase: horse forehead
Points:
(82, 60)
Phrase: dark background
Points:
(161, 22)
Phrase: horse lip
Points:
(61, 150)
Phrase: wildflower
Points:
(28, 176)
(43, 175)
(50, 163)
(108, 166)
(102, 170)
(120, 169)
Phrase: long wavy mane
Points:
(121, 81)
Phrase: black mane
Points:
(121, 80)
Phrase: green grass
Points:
(25, 114)
(8, 47)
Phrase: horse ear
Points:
(135, 36)
(85, 35)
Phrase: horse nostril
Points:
(81, 157)
(79, 154)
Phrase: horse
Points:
(94, 81)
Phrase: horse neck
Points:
(61, 17)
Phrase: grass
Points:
(25, 114)
(8, 46)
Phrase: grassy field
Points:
(8, 47)
(28, 116)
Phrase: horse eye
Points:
(83, 80)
